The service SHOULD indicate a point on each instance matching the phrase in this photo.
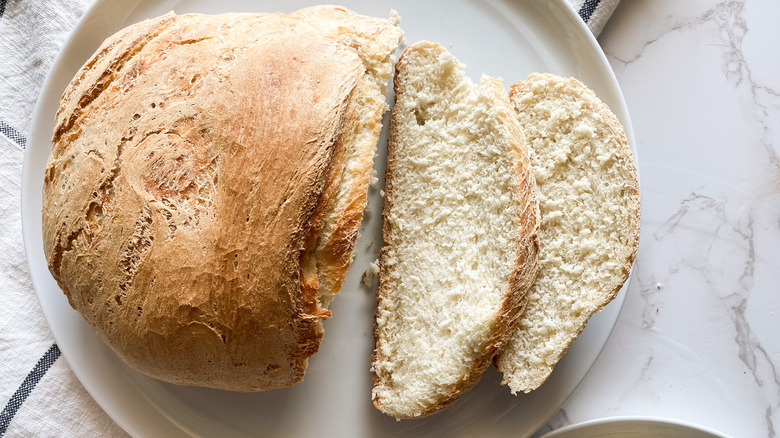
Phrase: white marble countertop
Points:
(697, 339)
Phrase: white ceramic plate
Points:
(502, 38)
(634, 427)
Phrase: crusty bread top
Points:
(189, 154)
(374, 39)
(460, 224)
(589, 201)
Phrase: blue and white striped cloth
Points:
(39, 394)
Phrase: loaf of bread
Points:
(589, 202)
(460, 225)
(206, 183)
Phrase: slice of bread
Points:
(460, 230)
(589, 202)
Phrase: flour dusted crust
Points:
(196, 162)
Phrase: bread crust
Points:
(340, 212)
(527, 225)
(336, 243)
(525, 376)
(191, 163)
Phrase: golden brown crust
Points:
(334, 250)
(188, 158)
(103, 68)
(374, 39)
(527, 222)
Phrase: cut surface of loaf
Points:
(460, 224)
(589, 203)
(198, 164)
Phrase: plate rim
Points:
(634, 419)
(155, 417)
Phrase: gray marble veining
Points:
(698, 336)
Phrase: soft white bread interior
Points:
(589, 202)
(460, 231)
(206, 183)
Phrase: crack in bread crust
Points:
(107, 77)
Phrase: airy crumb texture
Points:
(589, 202)
(460, 224)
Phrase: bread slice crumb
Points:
(589, 201)
(460, 223)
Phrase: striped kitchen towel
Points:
(595, 13)
(39, 394)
